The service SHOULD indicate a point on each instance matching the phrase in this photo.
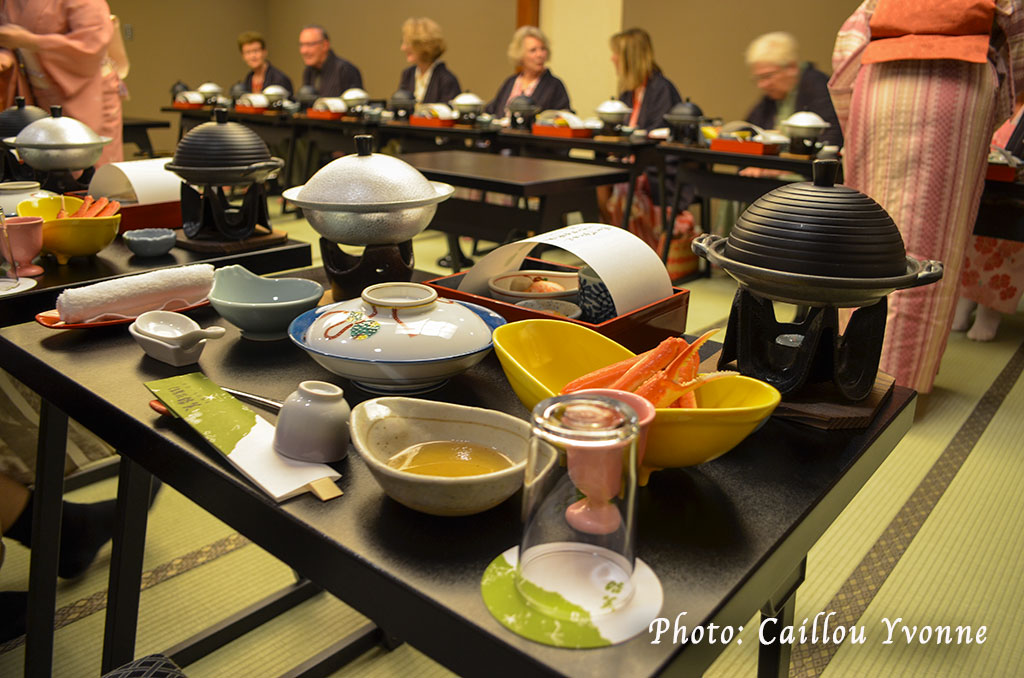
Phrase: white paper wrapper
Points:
(632, 271)
(144, 182)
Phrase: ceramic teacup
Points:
(25, 236)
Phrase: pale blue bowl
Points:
(150, 242)
(262, 308)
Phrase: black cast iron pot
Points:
(817, 244)
(223, 153)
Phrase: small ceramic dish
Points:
(383, 427)
(171, 337)
(559, 307)
(396, 338)
(515, 286)
(150, 242)
(261, 307)
(539, 357)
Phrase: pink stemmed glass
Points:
(25, 236)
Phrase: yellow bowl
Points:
(82, 236)
(539, 357)
(47, 207)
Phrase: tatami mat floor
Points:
(961, 567)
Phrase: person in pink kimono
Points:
(993, 277)
(918, 86)
(55, 52)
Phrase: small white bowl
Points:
(559, 307)
(512, 286)
(383, 427)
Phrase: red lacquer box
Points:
(638, 330)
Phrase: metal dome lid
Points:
(18, 116)
(467, 101)
(354, 96)
(806, 121)
(222, 151)
(367, 181)
(275, 93)
(684, 111)
(58, 131)
(819, 228)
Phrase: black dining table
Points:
(560, 187)
(726, 538)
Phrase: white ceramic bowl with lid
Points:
(613, 111)
(396, 337)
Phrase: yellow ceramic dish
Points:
(67, 238)
(540, 356)
(47, 207)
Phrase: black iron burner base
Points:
(211, 216)
(350, 274)
(806, 351)
(13, 170)
(63, 181)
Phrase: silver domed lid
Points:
(467, 101)
(58, 131)
(613, 106)
(275, 93)
(355, 97)
(365, 182)
(209, 89)
(806, 120)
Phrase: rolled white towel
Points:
(127, 297)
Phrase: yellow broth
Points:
(449, 458)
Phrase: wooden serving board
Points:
(256, 242)
(822, 406)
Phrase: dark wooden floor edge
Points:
(97, 602)
(857, 592)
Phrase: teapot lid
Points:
(819, 228)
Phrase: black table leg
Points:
(773, 656)
(48, 496)
(133, 494)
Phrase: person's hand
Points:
(761, 173)
(7, 60)
(13, 36)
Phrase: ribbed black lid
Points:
(819, 228)
(402, 98)
(18, 116)
(220, 144)
(685, 111)
(522, 104)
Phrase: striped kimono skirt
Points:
(917, 142)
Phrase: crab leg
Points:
(686, 366)
(653, 361)
(663, 392)
(601, 378)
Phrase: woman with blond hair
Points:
(529, 52)
(649, 93)
(428, 79)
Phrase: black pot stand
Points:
(211, 216)
(350, 274)
(63, 181)
(13, 170)
(809, 350)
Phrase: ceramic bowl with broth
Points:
(384, 429)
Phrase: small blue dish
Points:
(150, 242)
